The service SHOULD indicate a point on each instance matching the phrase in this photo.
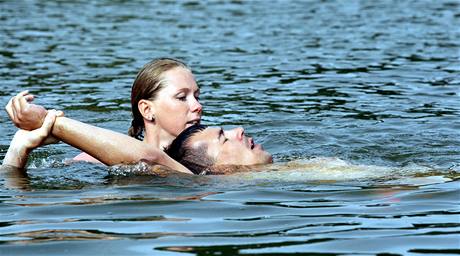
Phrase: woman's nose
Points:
(196, 106)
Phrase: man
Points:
(211, 150)
(207, 150)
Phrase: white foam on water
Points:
(318, 169)
(330, 169)
(46, 162)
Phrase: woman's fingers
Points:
(37, 137)
(50, 140)
(45, 130)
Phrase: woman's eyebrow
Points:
(183, 89)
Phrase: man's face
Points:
(230, 147)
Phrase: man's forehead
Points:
(205, 137)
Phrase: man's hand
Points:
(24, 115)
(25, 141)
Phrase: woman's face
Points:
(176, 105)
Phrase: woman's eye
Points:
(181, 98)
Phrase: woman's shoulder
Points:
(85, 157)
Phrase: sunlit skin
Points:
(175, 108)
(230, 147)
(107, 146)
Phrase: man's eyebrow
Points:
(221, 133)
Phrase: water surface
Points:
(359, 98)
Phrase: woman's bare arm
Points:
(107, 146)
(110, 147)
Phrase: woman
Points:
(164, 101)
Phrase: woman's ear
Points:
(146, 109)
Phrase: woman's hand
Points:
(38, 137)
(25, 141)
(24, 115)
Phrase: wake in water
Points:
(51, 173)
(318, 169)
(326, 169)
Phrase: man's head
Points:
(203, 149)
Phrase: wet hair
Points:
(149, 81)
(195, 159)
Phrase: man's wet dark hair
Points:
(196, 160)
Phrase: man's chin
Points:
(270, 159)
(265, 156)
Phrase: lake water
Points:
(359, 100)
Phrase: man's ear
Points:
(146, 109)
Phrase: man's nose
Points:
(236, 133)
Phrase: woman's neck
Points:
(157, 137)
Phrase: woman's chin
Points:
(188, 124)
